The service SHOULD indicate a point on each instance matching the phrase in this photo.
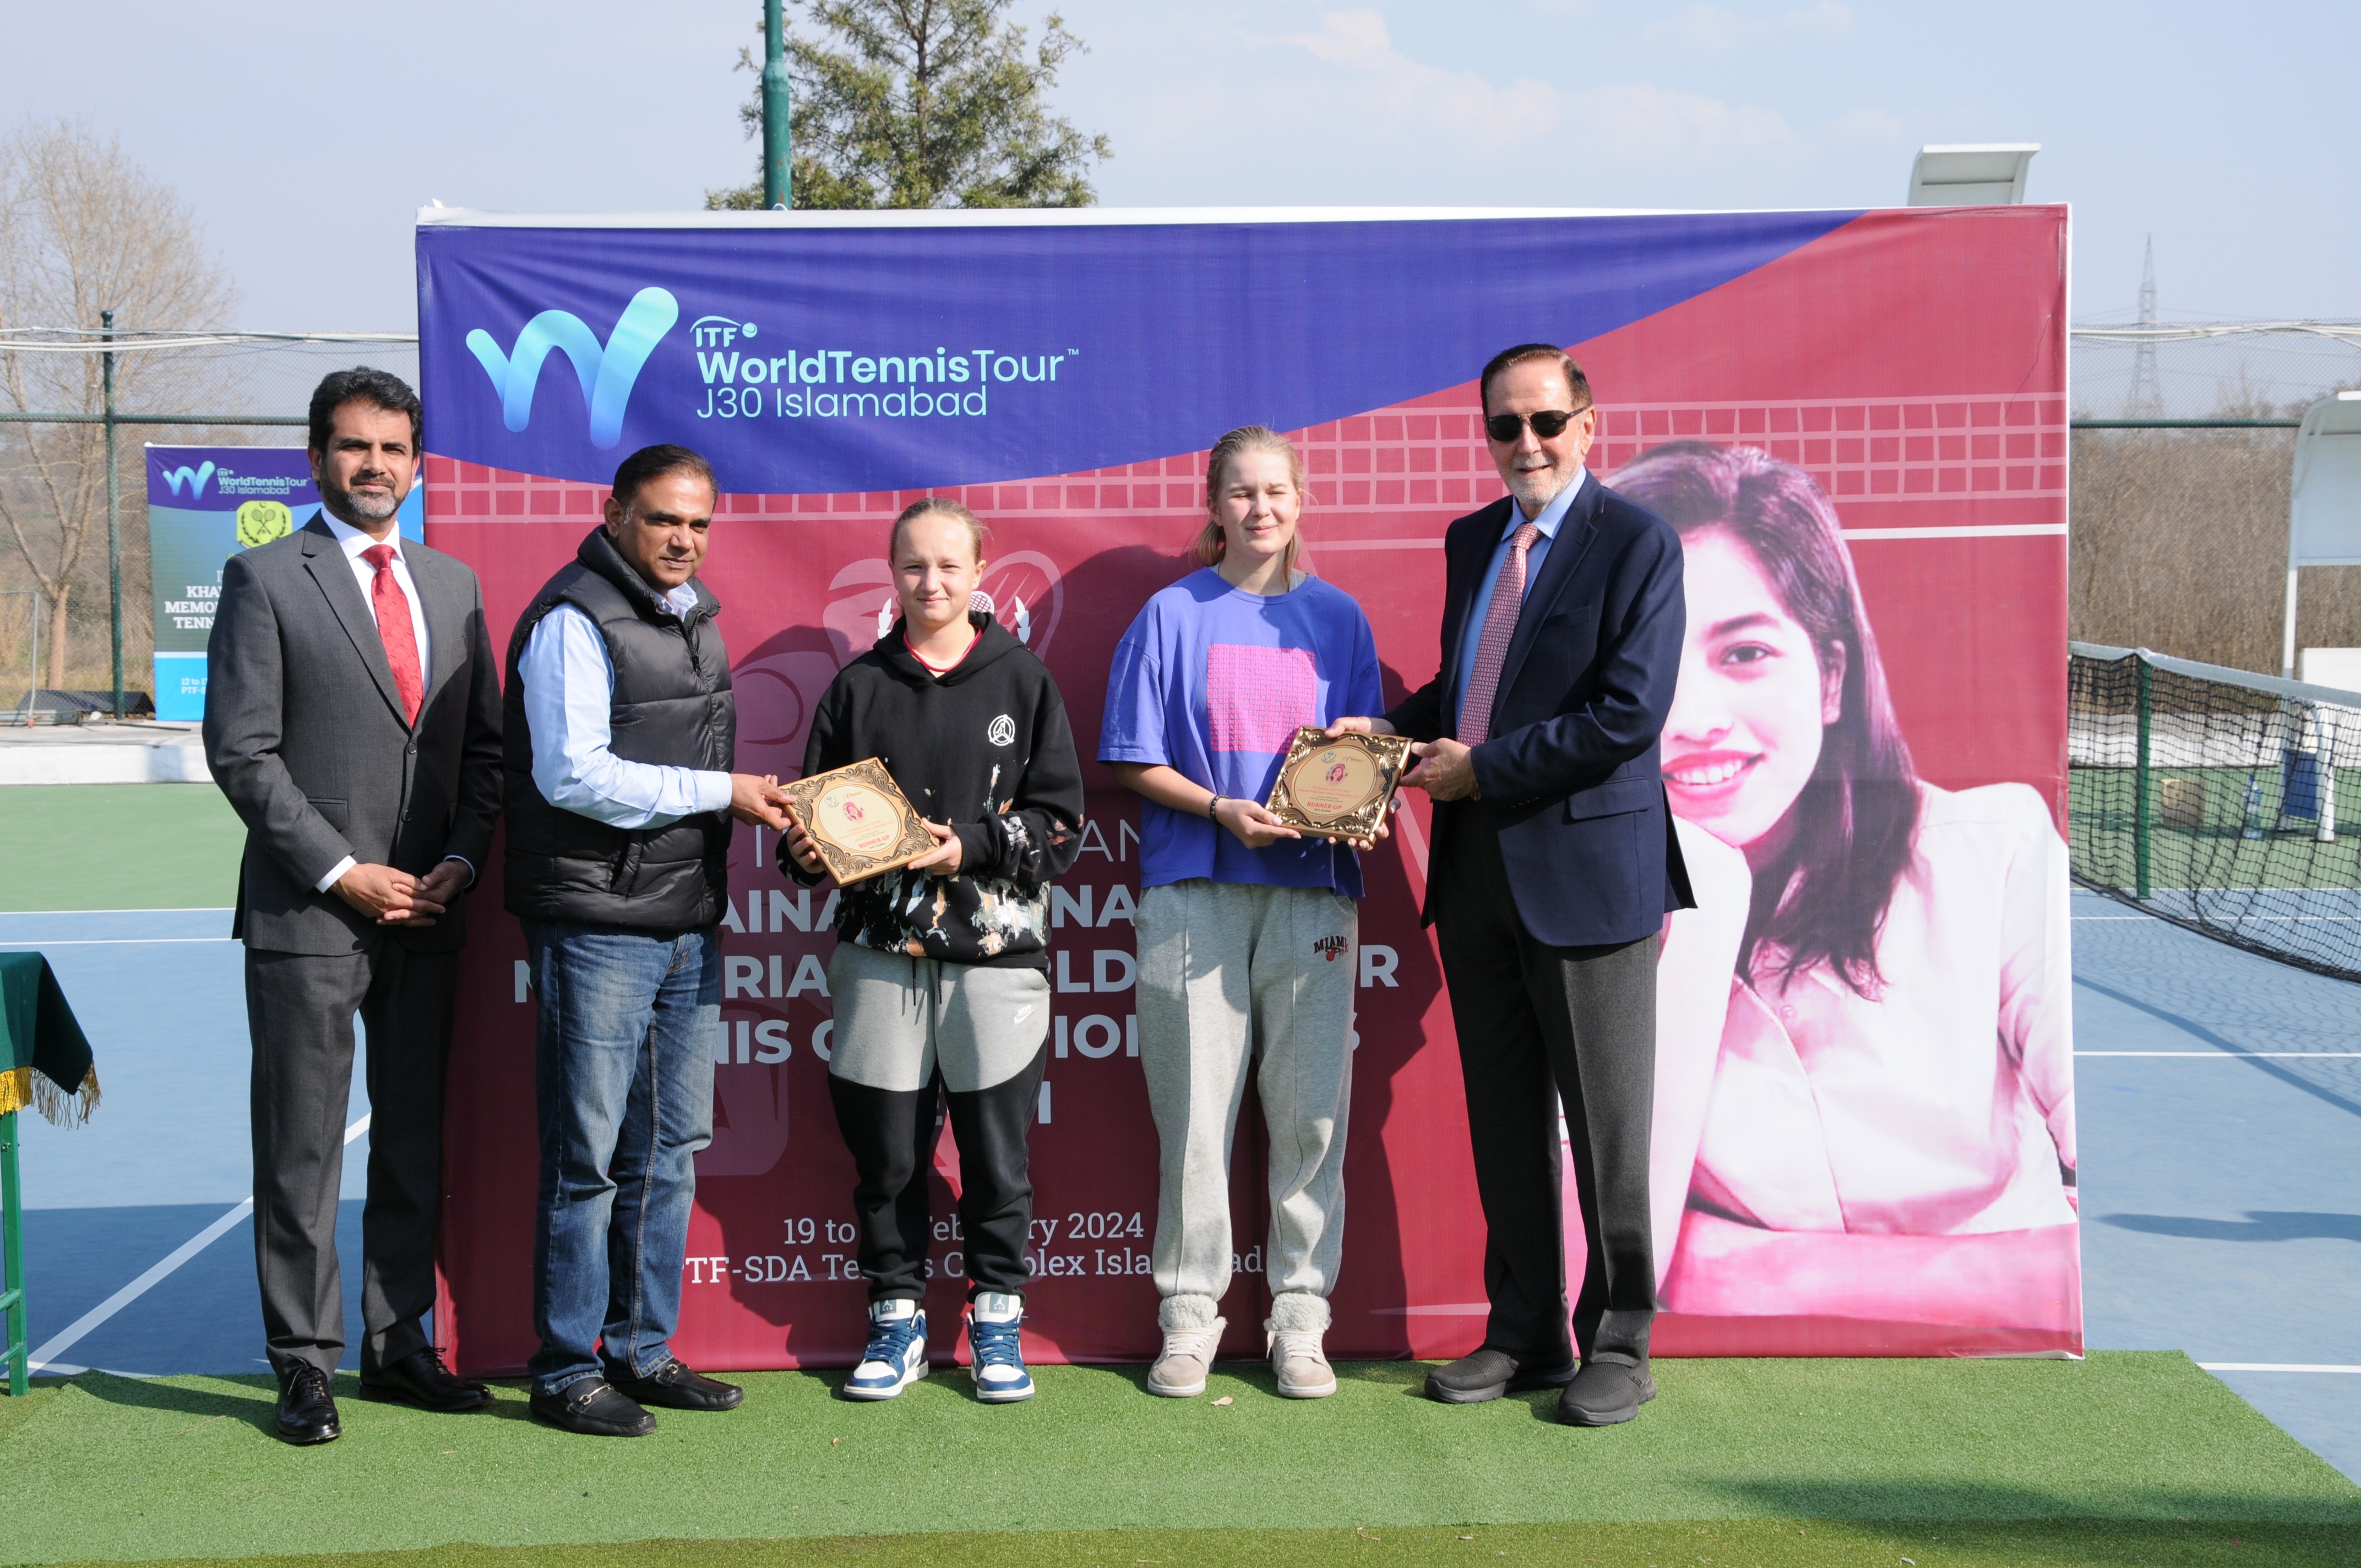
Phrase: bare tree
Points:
(82, 229)
(2179, 543)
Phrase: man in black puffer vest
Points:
(621, 729)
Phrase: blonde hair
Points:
(939, 505)
(1212, 543)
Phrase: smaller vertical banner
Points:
(204, 505)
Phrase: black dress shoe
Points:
(673, 1387)
(594, 1409)
(1604, 1393)
(419, 1378)
(306, 1412)
(1488, 1374)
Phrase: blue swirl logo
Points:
(607, 372)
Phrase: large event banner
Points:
(204, 505)
(1858, 422)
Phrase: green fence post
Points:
(114, 520)
(12, 1264)
(778, 154)
(2140, 789)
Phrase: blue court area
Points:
(2220, 1122)
(164, 1161)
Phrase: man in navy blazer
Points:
(1554, 867)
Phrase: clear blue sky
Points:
(307, 133)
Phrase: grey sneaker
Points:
(1188, 1357)
(1299, 1364)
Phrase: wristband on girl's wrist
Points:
(1214, 806)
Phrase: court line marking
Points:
(199, 909)
(80, 1326)
(2226, 1056)
(113, 941)
(2275, 1367)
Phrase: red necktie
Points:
(1492, 647)
(393, 608)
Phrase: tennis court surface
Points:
(2221, 1129)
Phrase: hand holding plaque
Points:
(859, 821)
(1338, 786)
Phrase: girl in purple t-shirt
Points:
(1247, 930)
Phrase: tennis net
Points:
(2209, 797)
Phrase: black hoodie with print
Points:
(985, 747)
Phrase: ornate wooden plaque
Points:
(1338, 786)
(859, 820)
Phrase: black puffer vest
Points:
(672, 706)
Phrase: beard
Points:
(344, 504)
(1534, 491)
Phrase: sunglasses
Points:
(1548, 423)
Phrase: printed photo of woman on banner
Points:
(1865, 1105)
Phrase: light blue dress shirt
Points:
(1552, 517)
(569, 697)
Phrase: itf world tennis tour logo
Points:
(739, 378)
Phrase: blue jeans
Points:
(624, 1074)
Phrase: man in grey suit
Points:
(353, 717)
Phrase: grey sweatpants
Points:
(1236, 977)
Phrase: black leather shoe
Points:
(419, 1378)
(1604, 1393)
(306, 1412)
(594, 1409)
(1488, 1374)
(674, 1387)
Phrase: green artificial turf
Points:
(117, 846)
(2137, 1446)
(1737, 1543)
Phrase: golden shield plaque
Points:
(1338, 786)
(860, 821)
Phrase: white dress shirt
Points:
(569, 697)
(352, 541)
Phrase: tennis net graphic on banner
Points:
(2212, 797)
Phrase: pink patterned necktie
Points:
(1492, 647)
(393, 608)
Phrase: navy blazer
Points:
(1572, 776)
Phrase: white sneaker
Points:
(896, 1355)
(998, 1360)
(1187, 1359)
(1299, 1364)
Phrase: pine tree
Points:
(925, 103)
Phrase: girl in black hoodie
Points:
(939, 977)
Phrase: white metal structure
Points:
(2324, 499)
(1972, 174)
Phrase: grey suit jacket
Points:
(304, 733)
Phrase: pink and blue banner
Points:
(1864, 1139)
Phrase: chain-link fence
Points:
(2179, 480)
(2184, 444)
(63, 581)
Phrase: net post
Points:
(2324, 721)
(2139, 788)
(15, 1342)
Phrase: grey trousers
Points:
(300, 1010)
(1237, 978)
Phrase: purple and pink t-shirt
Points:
(1213, 682)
